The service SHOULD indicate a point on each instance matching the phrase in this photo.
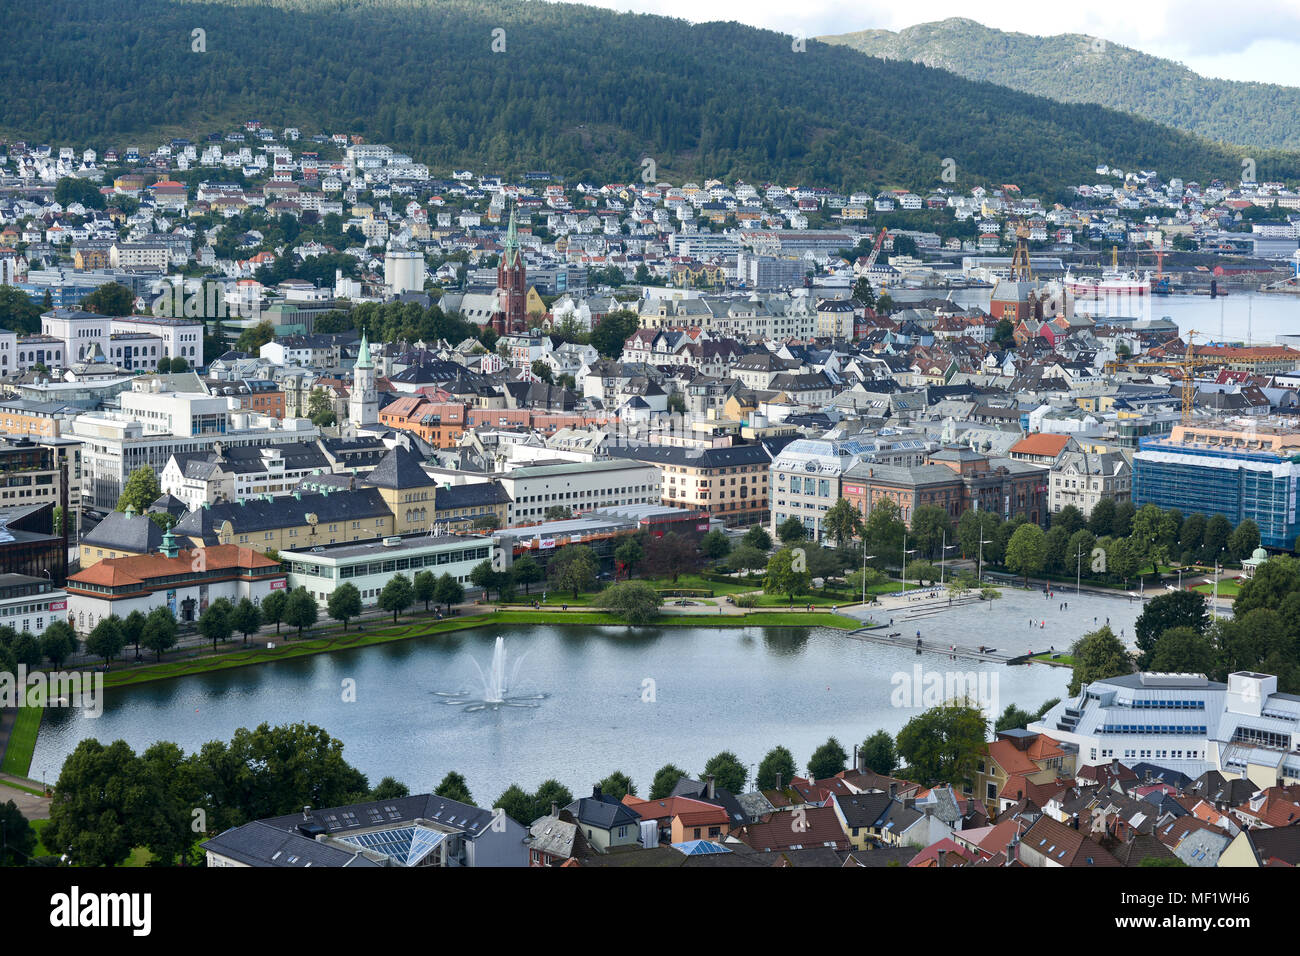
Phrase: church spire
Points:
(363, 356)
(512, 241)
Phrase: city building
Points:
(579, 486)
(29, 604)
(728, 483)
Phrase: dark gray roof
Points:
(695, 457)
(261, 844)
(121, 532)
(399, 469)
(603, 811)
(286, 511)
(476, 495)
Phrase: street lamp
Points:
(1078, 566)
(980, 574)
(943, 554)
(906, 552)
(865, 557)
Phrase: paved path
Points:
(29, 805)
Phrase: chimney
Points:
(1011, 850)
(893, 791)
(860, 760)
(1114, 766)
(1074, 821)
(778, 781)
(306, 813)
(595, 792)
(943, 854)
(555, 809)
(710, 791)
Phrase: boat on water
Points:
(1110, 284)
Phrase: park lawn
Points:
(1065, 660)
(22, 741)
(823, 598)
(1227, 588)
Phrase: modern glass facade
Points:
(1235, 483)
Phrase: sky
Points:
(1258, 40)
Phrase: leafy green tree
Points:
(878, 752)
(397, 595)
(19, 842)
(454, 787)
(1098, 655)
(672, 556)
(930, 527)
(1269, 586)
(551, 792)
(1101, 521)
(1121, 559)
(214, 623)
(1027, 551)
(974, 526)
(27, 649)
(920, 572)
(618, 785)
(827, 760)
(715, 545)
(90, 814)
(1123, 524)
(1165, 612)
(634, 601)
(159, 634)
(390, 788)
(1055, 543)
(1244, 540)
(558, 513)
(301, 610)
(1078, 552)
(449, 591)
(747, 558)
(140, 491)
(112, 298)
(629, 554)
(1013, 718)
(573, 569)
(778, 765)
(1069, 518)
(525, 571)
(516, 803)
(787, 574)
(18, 313)
(1183, 650)
(791, 531)
(246, 618)
(274, 606)
(425, 587)
(611, 332)
(727, 771)
(344, 603)
(942, 744)
(841, 523)
(58, 643)
(757, 537)
(1192, 537)
(69, 190)
(106, 639)
(665, 780)
(484, 575)
(254, 337)
(1218, 530)
(133, 628)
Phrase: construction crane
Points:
(1020, 268)
(1186, 364)
(875, 249)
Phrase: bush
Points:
(746, 600)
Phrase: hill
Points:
(1072, 68)
(577, 90)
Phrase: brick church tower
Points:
(512, 288)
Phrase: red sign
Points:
(58, 605)
(277, 585)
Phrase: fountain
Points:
(496, 685)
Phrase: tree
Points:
(827, 760)
(90, 818)
(543, 371)
(747, 558)
(942, 744)
(1069, 518)
(791, 531)
(611, 332)
(727, 771)
(1078, 552)
(922, 572)
(397, 595)
(112, 298)
(672, 556)
(841, 523)
(882, 532)
(665, 780)
(931, 527)
(776, 769)
(214, 623)
(27, 650)
(1244, 540)
(786, 574)
(550, 793)
(344, 602)
(1269, 586)
(425, 587)
(574, 569)
(390, 788)
(1026, 551)
(1004, 333)
(59, 642)
(1121, 559)
(1123, 525)
(516, 803)
(1164, 612)
(449, 591)
(878, 752)
(617, 785)
(300, 610)
(159, 634)
(246, 618)
(757, 537)
(634, 601)
(715, 545)
(454, 787)
(1055, 543)
(106, 639)
(19, 841)
(557, 513)
(525, 571)
(273, 608)
(18, 312)
(489, 522)
(1183, 650)
(1098, 655)
(629, 554)
(1218, 531)
(69, 190)
(1192, 537)
(484, 575)
(140, 491)
(1101, 521)
(865, 580)
(254, 337)
(1013, 718)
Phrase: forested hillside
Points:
(577, 90)
(1080, 69)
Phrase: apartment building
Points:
(728, 483)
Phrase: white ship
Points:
(1112, 284)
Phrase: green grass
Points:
(1227, 588)
(22, 742)
(822, 598)
(1065, 660)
